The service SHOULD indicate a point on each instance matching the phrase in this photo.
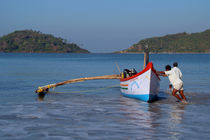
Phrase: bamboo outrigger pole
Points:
(44, 89)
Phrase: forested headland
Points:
(29, 41)
(174, 43)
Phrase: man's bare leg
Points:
(175, 95)
(182, 95)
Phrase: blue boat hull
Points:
(144, 97)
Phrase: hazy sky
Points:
(105, 25)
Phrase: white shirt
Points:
(173, 77)
(177, 71)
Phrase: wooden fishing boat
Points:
(143, 85)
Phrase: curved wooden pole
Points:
(44, 89)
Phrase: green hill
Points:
(29, 41)
(175, 43)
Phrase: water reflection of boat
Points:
(139, 113)
(143, 85)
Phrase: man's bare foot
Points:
(184, 102)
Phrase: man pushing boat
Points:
(175, 78)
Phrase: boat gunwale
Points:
(148, 67)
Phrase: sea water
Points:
(96, 109)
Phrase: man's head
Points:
(175, 64)
(168, 67)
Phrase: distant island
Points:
(29, 41)
(174, 43)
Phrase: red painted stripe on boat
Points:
(149, 66)
(124, 84)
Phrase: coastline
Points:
(104, 53)
(166, 53)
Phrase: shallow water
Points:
(96, 109)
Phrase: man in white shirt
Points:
(178, 73)
(175, 80)
(177, 70)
